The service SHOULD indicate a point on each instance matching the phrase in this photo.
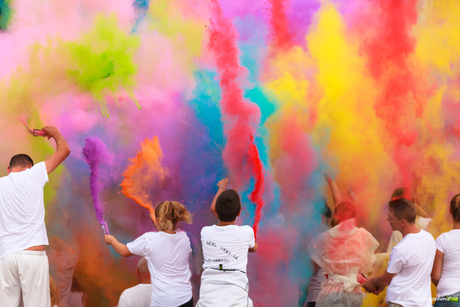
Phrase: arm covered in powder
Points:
(222, 184)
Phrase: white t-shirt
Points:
(226, 245)
(449, 244)
(137, 296)
(396, 236)
(412, 260)
(168, 259)
(22, 210)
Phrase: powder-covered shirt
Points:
(449, 244)
(22, 210)
(412, 261)
(137, 296)
(227, 246)
(345, 250)
(168, 260)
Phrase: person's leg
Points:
(35, 279)
(394, 305)
(448, 301)
(10, 287)
(188, 304)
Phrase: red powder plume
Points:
(258, 172)
(388, 51)
(280, 25)
(240, 154)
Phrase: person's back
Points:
(412, 260)
(22, 210)
(141, 294)
(138, 296)
(226, 246)
(225, 254)
(344, 251)
(446, 268)
(168, 261)
(167, 252)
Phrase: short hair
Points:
(455, 208)
(22, 160)
(345, 210)
(228, 206)
(403, 209)
(169, 213)
(400, 193)
(143, 266)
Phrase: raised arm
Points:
(62, 148)
(437, 265)
(420, 211)
(120, 248)
(254, 248)
(336, 195)
(222, 184)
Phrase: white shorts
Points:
(24, 280)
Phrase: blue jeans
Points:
(445, 302)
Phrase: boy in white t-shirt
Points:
(225, 252)
(422, 220)
(408, 273)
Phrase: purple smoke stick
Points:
(94, 152)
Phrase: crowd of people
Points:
(163, 271)
(344, 257)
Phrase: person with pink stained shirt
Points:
(344, 252)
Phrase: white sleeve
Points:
(252, 241)
(396, 262)
(441, 243)
(141, 246)
(122, 302)
(38, 174)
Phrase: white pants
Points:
(224, 289)
(24, 280)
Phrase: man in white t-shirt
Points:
(422, 219)
(140, 295)
(408, 273)
(24, 268)
(225, 252)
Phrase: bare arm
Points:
(336, 195)
(254, 248)
(377, 284)
(62, 148)
(222, 184)
(437, 265)
(420, 212)
(120, 248)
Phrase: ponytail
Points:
(169, 213)
(455, 208)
